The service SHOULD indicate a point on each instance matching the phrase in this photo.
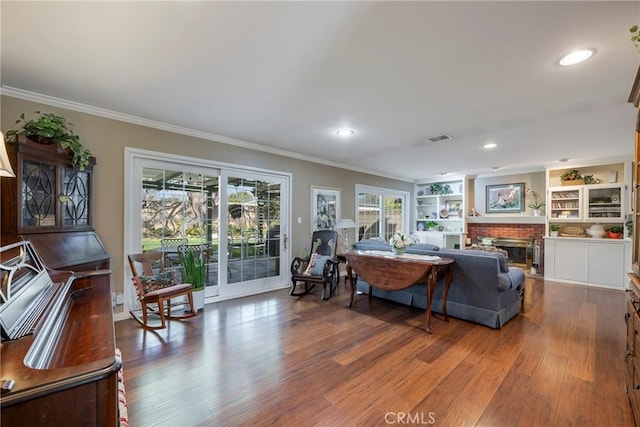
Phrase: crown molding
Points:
(128, 118)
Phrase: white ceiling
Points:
(287, 75)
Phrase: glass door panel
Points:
(604, 202)
(254, 219)
(180, 207)
(565, 204)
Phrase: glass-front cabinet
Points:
(591, 203)
(604, 203)
(565, 204)
(49, 195)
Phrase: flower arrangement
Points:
(400, 240)
(537, 204)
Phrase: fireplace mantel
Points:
(504, 219)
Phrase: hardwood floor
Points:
(273, 359)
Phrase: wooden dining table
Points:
(384, 270)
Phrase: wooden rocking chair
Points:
(155, 289)
(320, 267)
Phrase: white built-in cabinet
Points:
(583, 259)
(599, 262)
(594, 203)
(440, 213)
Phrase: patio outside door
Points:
(242, 215)
(255, 230)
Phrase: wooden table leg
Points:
(448, 269)
(352, 280)
(431, 285)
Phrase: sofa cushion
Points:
(488, 249)
(502, 260)
(422, 248)
(504, 281)
(373, 245)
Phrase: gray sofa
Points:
(484, 290)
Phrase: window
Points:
(381, 212)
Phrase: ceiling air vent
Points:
(440, 138)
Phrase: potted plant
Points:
(537, 204)
(635, 36)
(572, 177)
(194, 271)
(431, 225)
(615, 231)
(589, 179)
(50, 128)
(553, 230)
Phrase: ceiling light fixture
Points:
(564, 160)
(576, 57)
(490, 145)
(495, 168)
(344, 132)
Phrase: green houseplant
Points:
(615, 231)
(194, 269)
(431, 225)
(51, 128)
(635, 36)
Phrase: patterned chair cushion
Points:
(146, 284)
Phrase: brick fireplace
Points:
(534, 232)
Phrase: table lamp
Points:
(5, 165)
(345, 224)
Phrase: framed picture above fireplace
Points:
(505, 198)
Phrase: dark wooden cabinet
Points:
(49, 202)
(49, 195)
(632, 317)
(632, 357)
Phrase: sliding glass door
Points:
(179, 205)
(255, 230)
(240, 215)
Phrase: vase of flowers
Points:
(399, 242)
(537, 204)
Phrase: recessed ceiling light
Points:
(564, 160)
(490, 145)
(576, 57)
(344, 132)
(495, 168)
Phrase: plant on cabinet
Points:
(50, 128)
(615, 231)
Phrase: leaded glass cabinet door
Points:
(74, 198)
(39, 207)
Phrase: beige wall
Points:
(535, 180)
(107, 139)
